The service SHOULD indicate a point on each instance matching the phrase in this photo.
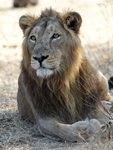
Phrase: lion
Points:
(58, 88)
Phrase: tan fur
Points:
(64, 89)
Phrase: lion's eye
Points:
(55, 36)
(33, 38)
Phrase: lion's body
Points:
(58, 88)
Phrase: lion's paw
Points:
(87, 128)
(94, 126)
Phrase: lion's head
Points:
(51, 45)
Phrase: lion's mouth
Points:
(43, 70)
(47, 68)
(43, 67)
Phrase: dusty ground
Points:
(97, 39)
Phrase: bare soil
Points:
(97, 39)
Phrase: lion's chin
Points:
(44, 73)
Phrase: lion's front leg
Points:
(78, 131)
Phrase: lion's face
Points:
(47, 44)
(50, 43)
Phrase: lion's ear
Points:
(73, 21)
(23, 22)
(26, 21)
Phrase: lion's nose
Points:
(41, 58)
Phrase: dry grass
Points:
(97, 38)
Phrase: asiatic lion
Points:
(58, 87)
